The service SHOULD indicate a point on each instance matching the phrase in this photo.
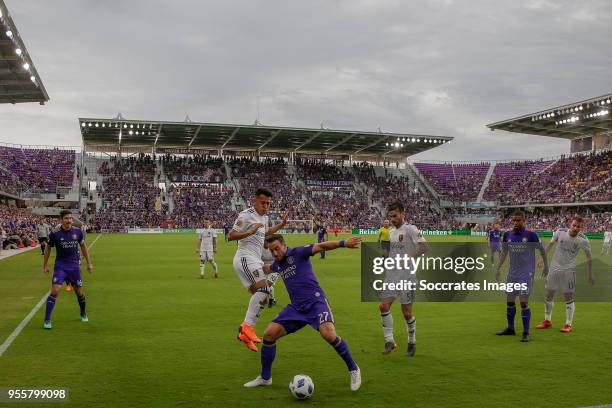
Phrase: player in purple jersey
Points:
(322, 237)
(309, 305)
(520, 245)
(494, 238)
(67, 268)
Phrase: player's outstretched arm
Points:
(277, 227)
(352, 242)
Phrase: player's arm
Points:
(352, 242)
(199, 244)
(379, 235)
(589, 258)
(236, 236)
(214, 244)
(85, 252)
(421, 248)
(277, 227)
(502, 259)
(544, 258)
(46, 259)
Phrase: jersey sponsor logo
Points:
(256, 273)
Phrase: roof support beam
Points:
(382, 138)
(310, 139)
(341, 142)
(158, 133)
(268, 140)
(234, 133)
(195, 135)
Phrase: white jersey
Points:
(567, 250)
(251, 246)
(404, 241)
(207, 235)
(607, 237)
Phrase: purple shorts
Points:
(314, 314)
(71, 275)
(524, 281)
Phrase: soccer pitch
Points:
(160, 336)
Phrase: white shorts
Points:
(405, 297)
(248, 269)
(564, 281)
(207, 255)
(607, 244)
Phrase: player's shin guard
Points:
(268, 353)
(548, 308)
(387, 323)
(569, 311)
(526, 317)
(342, 349)
(510, 313)
(81, 300)
(411, 327)
(256, 305)
(50, 305)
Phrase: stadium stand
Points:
(455, 181)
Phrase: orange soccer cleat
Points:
(250, 345)
(249, 332)
(567, 328)
(544, 325)
(68, 288)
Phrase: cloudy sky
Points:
(445, 67)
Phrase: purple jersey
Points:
(494, 236)
(321, 234)
(300, 281)
(521, 246)
(67, 244)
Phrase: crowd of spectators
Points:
(18, 226)
(208, 169)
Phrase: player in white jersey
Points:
(267, 258)
(405, 239)
(607, 244)
(562, 274)
(207, 247)
(250, 230)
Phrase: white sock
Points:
(271, 289)
(569, 312)
(411, 327)
(258, 299)
(202, 268)
(548, 307)
(214, 264)
(387, 323)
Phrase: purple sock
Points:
(268, 352)
(81, 300)
(342, 348)
(50, 305)
(526, 316)
(510, 313)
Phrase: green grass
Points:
(158, 336)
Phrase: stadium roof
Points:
(120, 134)
(19, 81)
(575, 120)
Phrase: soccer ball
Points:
(301, 386)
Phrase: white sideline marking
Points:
(9, 340)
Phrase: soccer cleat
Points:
(506, 332)
(355, 379)
(216, 275)
(566, 328)
(525, 338)
(249, 332)
(84, 318)
(249, 344)
(544, 325)
(47, 325)
(389, 347)
(257, 382)
(201, 276)
(68, 288)
(411, 349)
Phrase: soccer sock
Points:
(214, 264)
(411, 327)
(258, 299)
(569, 311)
(342, 349)
(387, 323)
(510, 313)
(526, 317)
(81, 300)
(202, 268)
(268, 352)
(50, 305)
(271, 289)
(548, 308)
